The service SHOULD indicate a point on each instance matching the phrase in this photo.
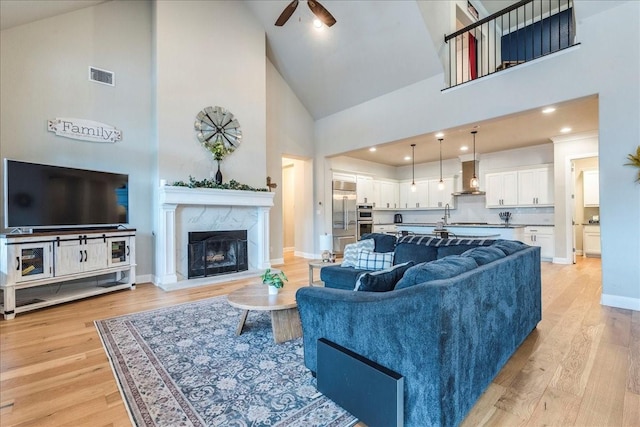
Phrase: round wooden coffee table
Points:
(285, 320)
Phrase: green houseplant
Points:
(635, 161)
(275, 280)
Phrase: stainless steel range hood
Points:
(467, 174)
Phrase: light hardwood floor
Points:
(580, 367)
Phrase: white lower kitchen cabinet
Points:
(384, 228)
(591, 241)
(542, 236)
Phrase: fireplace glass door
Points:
(217, 252)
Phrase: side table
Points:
(318, 264)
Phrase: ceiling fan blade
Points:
(322, 13)
(286, 13)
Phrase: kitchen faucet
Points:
(447, 213)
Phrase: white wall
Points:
(209, 54)
(288, 200)
(289, 129)
(43, 75)
(577, 72)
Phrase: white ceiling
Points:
(374, 48)
(523, 129)
(18, 12)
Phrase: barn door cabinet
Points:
(42, 269)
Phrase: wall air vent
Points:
(102, 76)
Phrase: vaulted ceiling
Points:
(375, 47)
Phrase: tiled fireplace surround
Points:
(183, 210)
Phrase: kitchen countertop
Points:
(471, 225)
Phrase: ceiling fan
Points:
(317, 9)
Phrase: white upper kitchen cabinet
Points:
(418, 199)
(535, 187)
(501, 189)
(440, 198)
(388, 195)
(364, 190)
(591, 188)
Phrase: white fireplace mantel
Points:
(171, 198)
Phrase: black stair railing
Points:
(521, 32)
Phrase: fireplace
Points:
(217, 252)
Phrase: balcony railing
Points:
(522, 32)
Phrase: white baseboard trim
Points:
(277, 261)
(620, 302)
(562, 260)
(307, 255)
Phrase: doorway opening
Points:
(297, 207)
(586, 207)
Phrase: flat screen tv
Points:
(48, 197)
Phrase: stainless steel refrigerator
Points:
(343, 215)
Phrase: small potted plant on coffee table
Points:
(275, 280)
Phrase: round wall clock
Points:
(217, 126)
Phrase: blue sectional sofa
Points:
(449, 337)
(416, 248)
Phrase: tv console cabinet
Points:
(46, 268)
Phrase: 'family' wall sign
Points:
(85, 130)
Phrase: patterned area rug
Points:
(184, 366)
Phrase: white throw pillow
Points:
(369, 260)
(350, 257)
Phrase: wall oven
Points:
(364, 219)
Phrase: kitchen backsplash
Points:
(470, 209)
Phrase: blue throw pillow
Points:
(350, 257)
(418, 253)
(509, 246)
(383, 242)
(383, 280)
(484, 255)
(445, 251)
(443, 268)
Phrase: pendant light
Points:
(474, 183)
(413, 168)
(441, 183)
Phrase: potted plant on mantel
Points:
(275, 280)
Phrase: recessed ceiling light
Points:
(565, 130)
(372, 149)
(407, 157)
(548, 110)
(439, 135)
(464, 148)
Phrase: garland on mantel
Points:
(208, 183)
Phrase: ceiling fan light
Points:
(317, 24)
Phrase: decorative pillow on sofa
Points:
(443, 268)
(484, 254)
(418, 253)
(350, 256)
(509, 246)
(368, 260)
(383, 242)
(382, 280)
